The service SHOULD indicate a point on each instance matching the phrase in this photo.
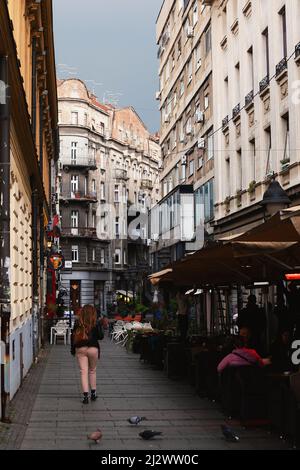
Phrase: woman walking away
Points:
(86, 333)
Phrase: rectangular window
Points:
(102, 190)
(94, 186)
(102, 128)
(85, 120)
(102, 256)
(204, 203)
(118, 256)
(181, 89)
(206, 100)
(190, 71)
(195, 13)
(267, 50)
(74, 219)
(74, 118)
(74, 153)
(253, 155)
(117, 199)
(94, 220)
(183, 173)
(102, 161)
(94, 255)
(198, 61)
(125, 257)
(117, 227)
(208, 40)
(251, 67)
(191, 167)
(74, 183)
(75, 254)
(239, 166)
(210, 146)
(282, 13)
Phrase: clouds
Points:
(113, 43)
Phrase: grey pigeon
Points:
(149, 434)
(95, 436)
(229, 434)
(136, 419)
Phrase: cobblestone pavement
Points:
(47, 412)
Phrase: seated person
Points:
(280, 352)
(242, 356)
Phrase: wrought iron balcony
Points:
(297, 51)
(264, 83)
(79, 232)
(249, 98)
(281, 67)
(236, 111)
(79, 196)
(121, 174)
(225, 122)
(79, 162)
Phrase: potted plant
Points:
(227, 203)
(239, 196)
(285, 163)
(252, 186)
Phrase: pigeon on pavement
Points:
(149, 434)
(136, 419)
(95, 436)
(229, 434)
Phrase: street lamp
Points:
(274, 199)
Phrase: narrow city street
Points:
(55, 419)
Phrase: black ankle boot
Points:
(85, 400)
(93, 395)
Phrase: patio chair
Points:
(61, 332)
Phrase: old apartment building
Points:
(229, 100)
(28, 151)
(184, 38)
(108, 174)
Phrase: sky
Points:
(111, 43)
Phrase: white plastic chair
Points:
(60, 331)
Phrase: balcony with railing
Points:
(225, 122)
(79, 232)
(236, 111)
(79, 162)
(281, 68)
(249, 99)
(264, 84)
(121, 174)
(79, 196)
(297, 53)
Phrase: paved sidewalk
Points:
(126, 387)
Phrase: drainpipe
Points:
(33, 89)
(35, 293)
(5, 300)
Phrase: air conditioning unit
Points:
(190, 31)
(181, 138)
(201, 143)
(167, 118)
(188, 129)
(200, 162)
(200, 116)
(183, 159)
(157, 95)
(160, 166)
(155, 237)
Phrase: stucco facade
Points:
(27, 160)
